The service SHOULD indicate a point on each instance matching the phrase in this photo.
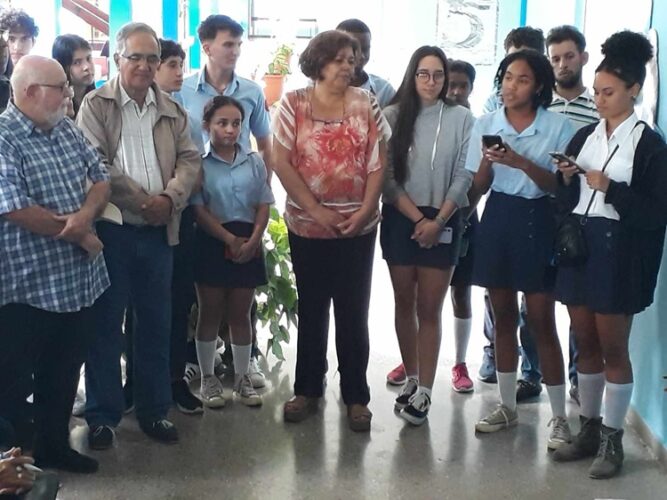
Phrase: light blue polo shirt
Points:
(233, 191)
(548, 132)
(380, 88)
(196, 92)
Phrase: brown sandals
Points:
(359, 418)
(299, 408)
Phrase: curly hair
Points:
(542, 70)
(323, 49)
(625, 56)
(18, 20)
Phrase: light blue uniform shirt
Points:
(195, 128)
(233, 191)
(196, 92)
(380, 88)
(548, 132)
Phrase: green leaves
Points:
(277, 300)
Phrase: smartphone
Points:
(562, 158)
(492, 140)
(447, 236)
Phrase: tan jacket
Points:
(100, 118)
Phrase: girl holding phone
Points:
(425, 186)
(515, 235)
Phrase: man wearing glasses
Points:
(50, 258)
(144, 138)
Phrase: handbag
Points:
(570, 248)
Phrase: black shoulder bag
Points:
(571, 249)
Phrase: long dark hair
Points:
(409, 106)
(64, 47)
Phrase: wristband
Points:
(423, 217)
(440, 220)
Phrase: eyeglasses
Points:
(424, 76)
(151, 59)
(63, 87)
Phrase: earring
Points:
(634, 97)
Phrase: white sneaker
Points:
(255, 373)
(244, 390)
(500, 418)
(79, 403)
(211, 392)
(560, 433)
(192, 372)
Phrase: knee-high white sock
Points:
(591, 389)
(616, 404)
(241, 354)
(206, 356)
(507, 388)
(462, 328)
(557, 399)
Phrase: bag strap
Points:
(604, 167)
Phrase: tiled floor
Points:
(240, 453)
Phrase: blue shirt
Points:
(49, 170)
(195, 128)
(196, 92)
(548, 132)
(380, 88)
(233, 191)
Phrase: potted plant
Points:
(274, 78)
(277, 300)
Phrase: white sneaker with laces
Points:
(560, 433)
(255, 373)
(244, 390)
(211, 392)
(500, 418)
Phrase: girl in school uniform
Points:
(425, 186)
(619, 197)
(516, 232)
(232, 211)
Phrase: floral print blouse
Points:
(333, 157)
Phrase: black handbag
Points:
(570, 248)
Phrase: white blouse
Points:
(593, 156)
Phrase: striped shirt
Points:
(581, 110)
(49, 170)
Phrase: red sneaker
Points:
(460, 380)
(397, 376)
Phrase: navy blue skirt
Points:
(604, 283)
(462, 276)
(514, 246)
(398, 249)
(214, 269)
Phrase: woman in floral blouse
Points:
(329, 155)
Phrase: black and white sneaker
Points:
(185, 401)
(409, 389)
(417, 411)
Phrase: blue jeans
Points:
(139, 262)
(530, 364)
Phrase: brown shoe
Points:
(299, 407)
(359, 418)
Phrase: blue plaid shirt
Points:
(47, 170)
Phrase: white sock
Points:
(507, 388)
(591, 389)
(241, 354)
(425, 390)
(206, 356)
(462, 329)
(557, 399)
(616, 404)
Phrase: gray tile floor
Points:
(243, 453)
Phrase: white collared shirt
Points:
(136, 155)
(593, 156)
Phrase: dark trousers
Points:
(183, 296)
(337, 270)
(139, 262)
(51, 347)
